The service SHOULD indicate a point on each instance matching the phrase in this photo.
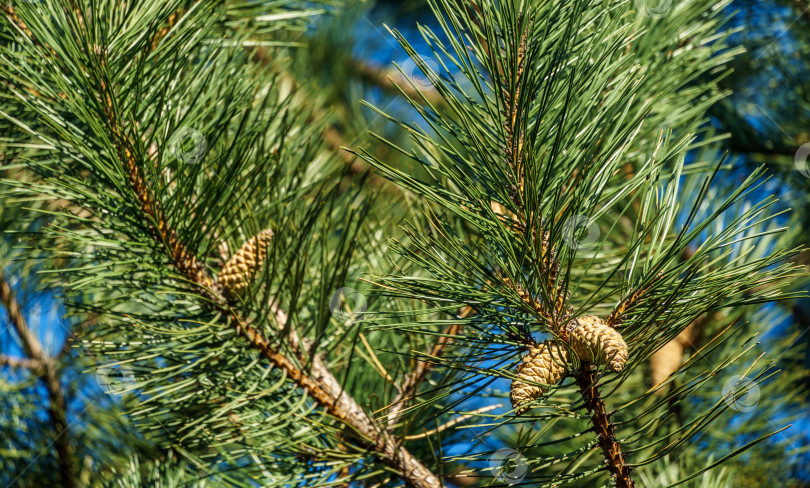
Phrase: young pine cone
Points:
(244, 263)
(543, 364)
(596, 342)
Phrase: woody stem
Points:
(603, 428)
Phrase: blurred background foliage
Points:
(345, 55)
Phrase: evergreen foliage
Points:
(259, 314)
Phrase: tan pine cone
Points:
(543, 364)
(667, 360)
(596, 342)
(237, 273)
(664, 362)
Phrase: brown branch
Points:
(49, 375)
(605, 434)
(335, 142)
(394, 81)
(632, 300)
(23, 363)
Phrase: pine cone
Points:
(243, 264)
(669, 358)
(664, 362)
(543, 364)
(596, 342)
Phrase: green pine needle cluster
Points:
(563, 168)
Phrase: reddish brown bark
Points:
(603, 428)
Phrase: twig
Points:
(603, 428)
(25, 363)
(375, 360)
(49, 375)
(451, 423)
(625, 306)
(335, 142)
(407, 389)
(393, 80)
(321, 385)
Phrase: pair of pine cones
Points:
(590, 338)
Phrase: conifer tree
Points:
(279, 323)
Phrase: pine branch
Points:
(321, 385)
(586, 380)
(23, 363)
(49, 375)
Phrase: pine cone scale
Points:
(596, 342)
(543, 364)
(240, 268)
